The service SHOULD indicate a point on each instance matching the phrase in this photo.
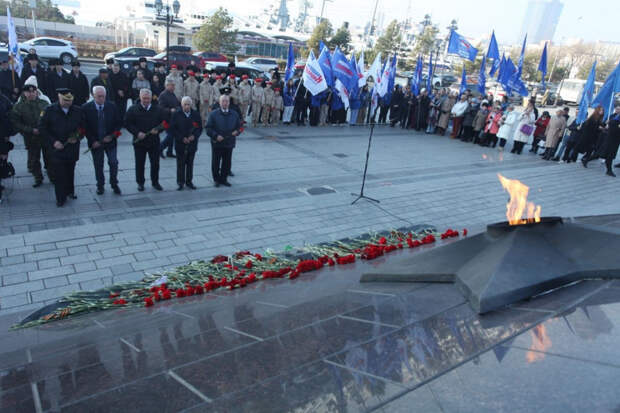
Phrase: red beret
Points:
(232, 76)
(190, 72)
(244, 77)
(173, 67)
(218, 77)
(258, 80)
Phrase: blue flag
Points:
(416, 78)
(493, 53)
(515, 82)
(482, 77)
(353, 63)
(463, 87)
(502, 64)
(586, 96)
(508, 71)
(290, 63)
(605, 96)
(542, 65)
(391, 79)
(521, 57)
(429, 79)
(342, 70)
(460, 46)
(325, 62)
(322, 46)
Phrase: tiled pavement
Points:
(46, 252)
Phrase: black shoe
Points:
(231, 174)
(217, 184)
(584, 163)
(60, 203)
(226, 183)
(171, 155)
(161, 155)
(191, 186)
(617, 165)
(73, 196)
(180, 188)
(556, 159)
(140, 187)
(611, 173)
(158, 187)
(37, 183)
(100, 190)
(116, 189)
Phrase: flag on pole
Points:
(460, 46)
(607, 92)
(375, 70)
(313, 77)
(502, 64)
(391, 79)
(482, 77)
(542, 65)
(586, 96)
(354, 86)
(515, 82)
(290, 63)
(342, 70)
(463, 86)
(429, 78)
(361, 73)
(493, 53)
(416, 79)
(343, 92)
(383, 88)
(322, 46)
(14, 55)
(325, 61)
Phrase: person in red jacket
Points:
(539, 132)
(492, 125)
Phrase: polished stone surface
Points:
(323, 342)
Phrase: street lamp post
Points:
(163, 12)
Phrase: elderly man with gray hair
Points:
(223, 127)
(170, 104)
(185, 129)
(145, 122)
(103, 124)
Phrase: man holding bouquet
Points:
(223, 127)
(145, 122)
(62, 127)
(103, 124)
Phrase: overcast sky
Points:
(596, 20)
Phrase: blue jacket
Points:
(289, 96)
(182, 126)
(336, 102)
(224, 124)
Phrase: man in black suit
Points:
(185, 129)
(78, 84)
(103, 123)
(121, 88)
(57, 78)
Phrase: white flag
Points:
(375, 70)
(313, 77)
(385, 77)
(361, 73)
(17, 64)
(343, 93)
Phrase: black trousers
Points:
(185, 165)
(64, 174)
(569, 153)
(517, 147)
(140, 153)
(220, 163)
(467, 132)
(98, 155)
(299, 113)
(502, 142)
(315, 112)
(383, 110)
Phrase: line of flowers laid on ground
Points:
(230, 272)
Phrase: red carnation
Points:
(166, 295)
(148, 302)
(82, 131)
(249, 264)
(165, 124)
(156, 296)
(117, 133)
(198, 289)
(180, 293)
(189, 291)
(465, 232)
(382, 241)
(258, 257)
(120, 301)
(114, 295)
(195, 124)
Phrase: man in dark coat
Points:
(397, 104)
(33, 68)
(78, 84)
(103, 124)
(223, 127)
(610, 150)
(103, 80)
(145, 122)
(120, 89)
(61, 125)
(170, 104)
(300, 109)
(10, 83)
(421, 116)
(148, 75)
(57, 78)
(185, 128)
(6, 131)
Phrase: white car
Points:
(51, 48)
(262, 63)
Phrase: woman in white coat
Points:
(509, 123)
(524, 129)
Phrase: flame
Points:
(518, 203)
(540, 343)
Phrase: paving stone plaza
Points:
(323, 342)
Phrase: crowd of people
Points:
(53, 109)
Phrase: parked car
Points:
(447, 80)
(263, 63)
(50, 48)
(241, 69)
(178, 58)
(211, 57)
(130, 53)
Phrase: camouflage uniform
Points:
(258, 93)
(245, 94)
(268, 101)
(191, 88)
(205, 93)
(25, 117)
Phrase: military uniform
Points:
(245, 94)
(278, 105)
(191, 88)
(58, 126)
(258, 93)
(205, 94)
(268, 100)
(25, 116)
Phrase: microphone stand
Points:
(361, 194)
